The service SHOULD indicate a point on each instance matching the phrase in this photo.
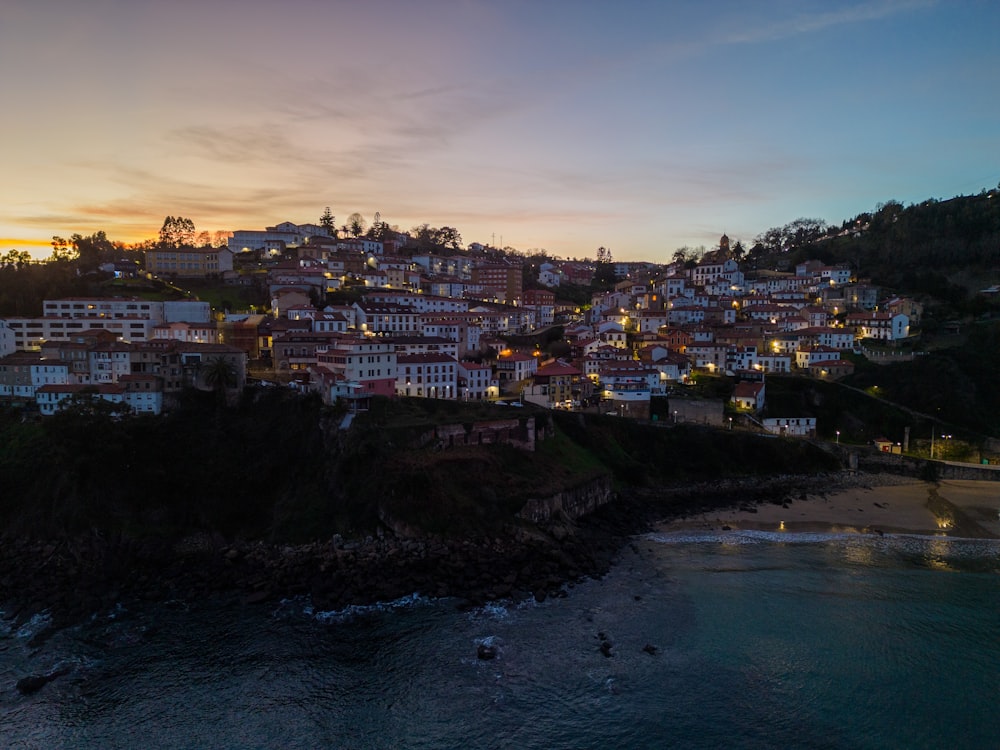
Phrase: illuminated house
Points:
(355, 370)
(198, 333)
(513, 367)
(557, 383)
(476, 382)
(885, 326)
(386, 319)
(126, 318)
(275, 240)
(804, 358)
(427, 375)
(189, 261)
(791, 426)
(748, 396)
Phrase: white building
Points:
(8, 344)
(192, 333)
(476, 382)
(29, 333)
(51, 398)
(106, 307)
(427, 376)
(791, 426)
(356, 368)
(275, 240)
(884, 326)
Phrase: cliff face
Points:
(278, 468)
(572, 502)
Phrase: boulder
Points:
(34, 683)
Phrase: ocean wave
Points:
(756, 536)
(497, 611)
(748, 536)
(36, 624)
(932, 549)
(302, 607)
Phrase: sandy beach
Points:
(907, 506)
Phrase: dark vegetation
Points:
(943, 252)
(277, 468)
(952, 390)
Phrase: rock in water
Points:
(35, 682)
(485, 652)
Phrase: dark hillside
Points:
(277, 468)
(923, 249)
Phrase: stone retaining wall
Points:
(573, 502)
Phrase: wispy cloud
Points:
(812, 23)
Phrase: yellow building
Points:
(189, 261)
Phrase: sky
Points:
(561, 125)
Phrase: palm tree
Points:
(219, 374)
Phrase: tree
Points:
(738, 251)
(219, 374)
(681, 255)
(356, 224)
(176, 231)
(604, 275)
(604, 255)
(17, 258)
(93, 249)
(378, 230)
(61, 250)
(450, 237)
(757, 252)
(329, 222)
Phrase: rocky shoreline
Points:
(74, 578)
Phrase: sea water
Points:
(729, 640)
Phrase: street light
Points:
(838, 437)
(730, 424)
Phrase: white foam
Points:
(944, 547)
(496, 611)
(359, 610)
(35, 625)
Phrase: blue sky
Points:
(641, 126)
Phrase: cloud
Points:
(809, 24)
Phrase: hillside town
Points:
(469, 325)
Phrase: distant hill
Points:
(948, 249)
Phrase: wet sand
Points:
(959, 508)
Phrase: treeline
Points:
(254, 470)
(917, 248)
(23, 287)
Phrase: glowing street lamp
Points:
(838, 437)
